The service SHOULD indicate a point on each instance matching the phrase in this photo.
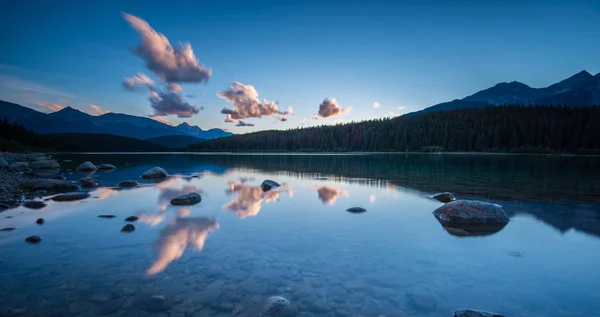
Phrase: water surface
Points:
(240, 245)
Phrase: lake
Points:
(226, 255)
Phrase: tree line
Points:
(508, 128)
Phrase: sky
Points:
(254, 65)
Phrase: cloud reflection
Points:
(249, 198)
(328, 195)
(177, 236)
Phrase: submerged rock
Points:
(33, 239)
(128, 228)
(106, 216)
(7, 229)
(34, 204)
(155, 302)
(88, 182)
(131, 218)
(445, 197)
(59, 177)
(54, 185)
(474, 313)
(3, 163)
(45, 165)
(274, 306)
(71, 196)
(106, 167)
(186, 200)
(422, 302)
(155, 173)
(356, 210)
(40, 221)
(268, 185)
(466, 218)
(86, 167)
(128, 183)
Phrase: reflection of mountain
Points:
(249, 198)
(177, 236)
(328, 194)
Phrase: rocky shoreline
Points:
(14, 169)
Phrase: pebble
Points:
(356, 210)
(33, 239)
(106, 216)
(34, 204)
(131, 218)
(128, 228)
(40, 221)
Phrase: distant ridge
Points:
(70, 120)
(581, 89)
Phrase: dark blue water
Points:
(227, 254)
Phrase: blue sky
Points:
(405, 55)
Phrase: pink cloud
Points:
(51, 107)
(246, 103)
(97, 110)
(329, 108)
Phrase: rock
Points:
(445, 197)
(274, 306)
(71, 196)
(40, 221)
(155, 302)
(106, 167)
(128, 228)
(7, 229)
(88, 182)
(100, 298)
(45, 165)
(18, 165)
(59, 177)
(155, 173)
(33, 239)
(3, 163)
(34, 204)
(474, 313)
(86, 167)
(106, 216)
(131, 218)
(53, 185)
(128, 183)
(356, 210)
(186, 200)
(268, 184)
(465, 212)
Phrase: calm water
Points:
(226, 255)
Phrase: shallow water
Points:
(227, 254)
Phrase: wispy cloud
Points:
(172, 65)
(97, 110)
(244, 124)
(162, 120)
(376, 105)
(329, 108)
(175, 88)
(51, 107)
(401, 108)
(138, 81)
(16, 84)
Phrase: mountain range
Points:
(70, 120)
(581, 89)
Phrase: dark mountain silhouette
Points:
(69, 120)
(578, 90)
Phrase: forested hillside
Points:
(537, 129)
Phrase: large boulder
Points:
(155, 173)
(445, 197)
(45, 165)
(71, 196)
(52, 185)
(186, 200)
(86, 167)
(88, 182)
(3, 163)
(471, 218)
(128, 183)
(274, 306)
(474, 313)
(268, 184)
(34, 204)
(106, 167)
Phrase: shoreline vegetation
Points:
(495, 130)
